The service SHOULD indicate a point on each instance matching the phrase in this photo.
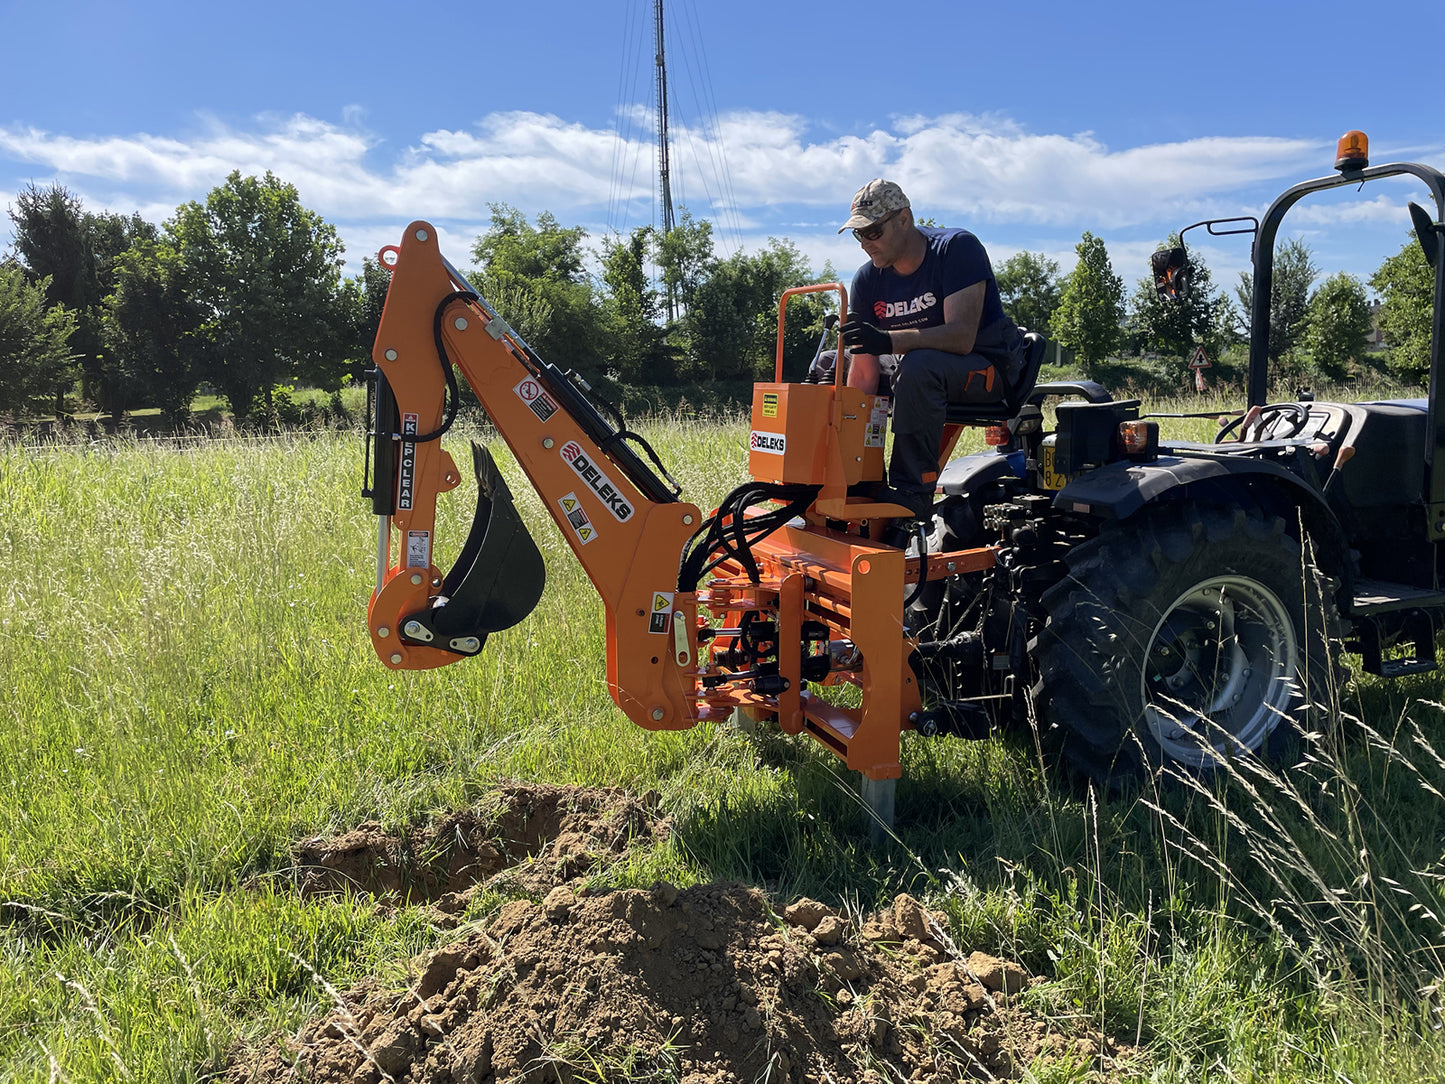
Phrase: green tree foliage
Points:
(361, 300)
(35, 356)
(730, 325)
(152, 323)
(1406, 285)
(684, 260)
(265, 271)
(1294, 274)
(75, 251)
(1091, 305)
(1028, 286)
(1337, 325)
(535, 277)
(1176, 326)
(634, 342)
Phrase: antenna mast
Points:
(664, 181)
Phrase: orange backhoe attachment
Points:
(768, 605)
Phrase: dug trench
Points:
(711, 983)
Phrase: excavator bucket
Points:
(499, 575)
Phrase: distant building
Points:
(1375, 341)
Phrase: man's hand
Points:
(867, 339)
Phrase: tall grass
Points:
(190, 690)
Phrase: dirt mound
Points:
(533, 837)
(703, 985)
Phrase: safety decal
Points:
(572, 509)
(408, 464)
(537, 400)
(661, 619)
(418, 549)
(770, 404)
(772, 443)
(877, 424)
(597, 481)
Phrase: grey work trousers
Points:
(925, 383)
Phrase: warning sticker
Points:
(772, 443)
(877, 429)
(418, 549)
(661, 619)
(770, 404)
(577, 518)
(597, 481)
(540, 403)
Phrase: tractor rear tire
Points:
(1182, 637)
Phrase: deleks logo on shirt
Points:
(882, 310)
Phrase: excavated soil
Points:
(700, 985)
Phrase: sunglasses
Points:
(875, 231)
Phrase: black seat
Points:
(1017, 393)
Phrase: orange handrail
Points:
(842, 315)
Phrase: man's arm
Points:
(962, 310)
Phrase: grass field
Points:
(190, 690)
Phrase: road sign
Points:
(1200, 360)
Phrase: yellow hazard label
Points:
(661, 601)
(770, 404)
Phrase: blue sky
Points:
(1027, 123)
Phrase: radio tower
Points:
(664, 181)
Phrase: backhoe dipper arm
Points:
(624, 526)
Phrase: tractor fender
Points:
(967, 474)
(1119, 490)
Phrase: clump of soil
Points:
(526, 837)
(704, 985)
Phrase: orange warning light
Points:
(1352, 151)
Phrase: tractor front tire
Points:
(1182, 637)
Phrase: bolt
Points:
(657, 714)
(413, 629)
(436, 581)
(390, 355)
(396, 659)
(416, 579)
(951, 565)
(547, 442)
(421, 235)
(460, 323)
(467, 643)
(687, 521)
(383, 632)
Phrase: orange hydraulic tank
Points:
(789, 438)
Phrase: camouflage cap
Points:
(875, 200)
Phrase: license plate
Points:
(1048, 479)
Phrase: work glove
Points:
(866, 339)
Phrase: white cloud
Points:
(981, 171)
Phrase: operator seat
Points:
(1016, 393)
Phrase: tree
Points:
(634, 342)
(1176, 326)
(361, 300)
(729, 330)
(1337, 325)
(684, 260)
(1091, 305)
(1294, 273)
(152, 323)
(59, 241)
(35, 356)
(536, 278)
(265, 273)
(1028, 286)
(1406, 285)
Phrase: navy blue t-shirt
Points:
(954, 260)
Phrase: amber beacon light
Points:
(1352, 152)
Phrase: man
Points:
(925, 309)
